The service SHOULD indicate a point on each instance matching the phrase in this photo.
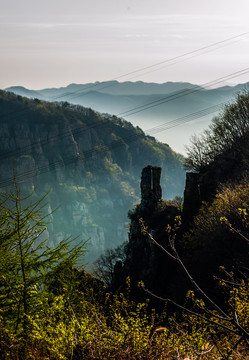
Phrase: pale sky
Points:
(53, 43)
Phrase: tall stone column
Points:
(151, 191)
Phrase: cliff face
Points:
(202, 241)
(87, 162)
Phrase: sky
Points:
(52, 43)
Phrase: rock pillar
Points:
(150, 184)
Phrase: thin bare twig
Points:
(231, 320)
(191, 312)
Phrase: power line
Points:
(210, 46)
(130, 112)
(104, 148)
(182, 93)
(170, 62)
(188, 53)
(176, 122)
(183, 59)
(185, 119)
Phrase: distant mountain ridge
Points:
(112, 87)
(119, 88)
(125, 98)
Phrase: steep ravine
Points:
(89, 164)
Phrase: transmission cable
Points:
(173, 59)
(130, 112)
(182, 93)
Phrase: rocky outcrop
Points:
(144, 260)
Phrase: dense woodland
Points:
(177, 290)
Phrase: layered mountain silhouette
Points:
(146, 104)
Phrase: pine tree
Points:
(28, 264)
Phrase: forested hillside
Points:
(90, 165)
(221, 153)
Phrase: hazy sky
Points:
(52, 43)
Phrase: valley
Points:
(89, 164)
